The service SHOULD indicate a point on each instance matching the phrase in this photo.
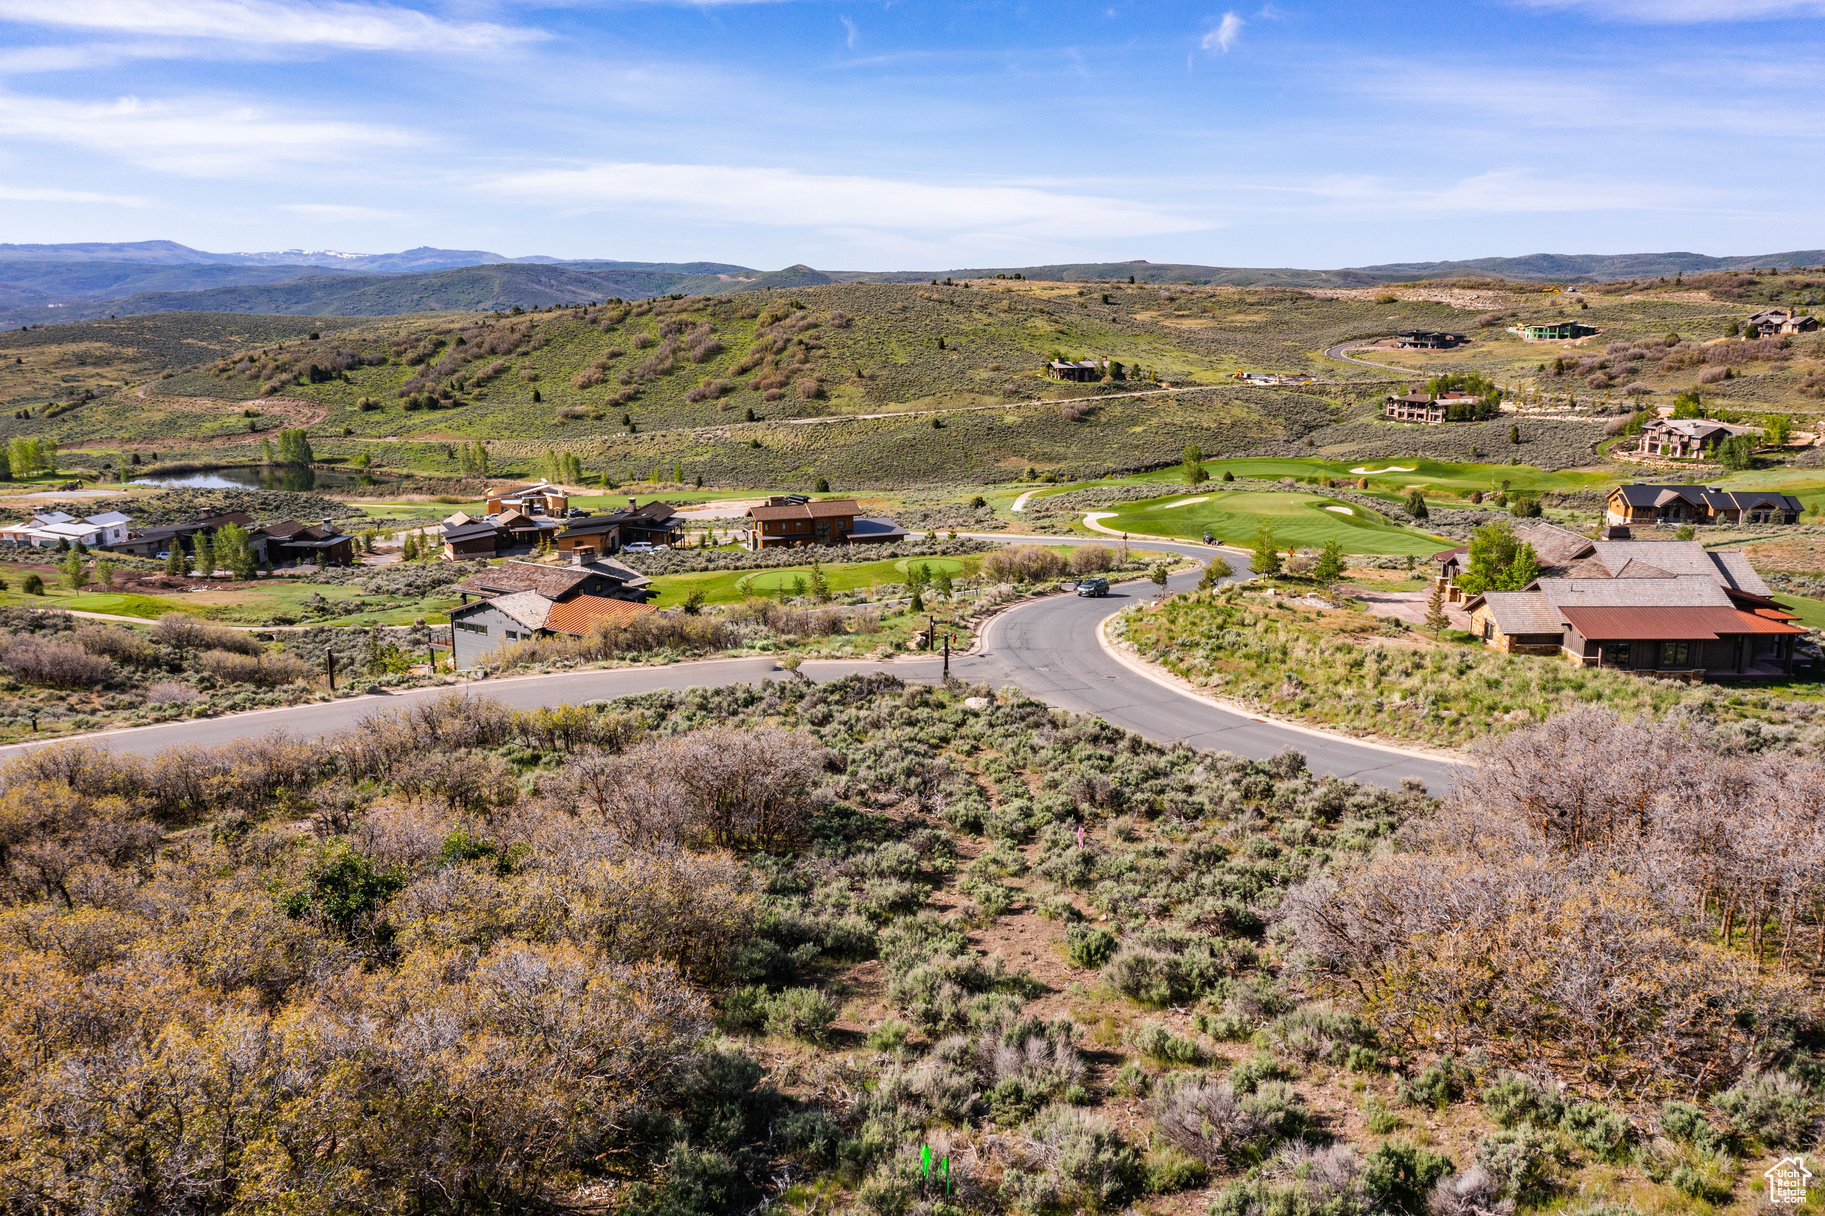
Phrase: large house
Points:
(1781, 321)
(1556, 331)
(290, 542)
(1081, 370)
(657, 523)
(790, 520)
(1677, 625)
(1641, 503)
(1687, 438)
(540, 498)
(1416, 406)
(1657, 607)
(1563, 553)
(518, 601)
(1428, 339)
(47, 528)
(152, 542)
(599, 578)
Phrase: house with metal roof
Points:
(603, 578)
(1689, 626)
(46, 528)
(479, 628)
(1687, 438)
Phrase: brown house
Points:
(1414, 407)
(289, 542)
(1687, 438)
(657, 523)
(1640, 503)
(793, 520)
(1686, 626)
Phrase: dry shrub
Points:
(52, 662)
(262, 671)
(185, 632)
(809, 389)
(642, 635)
(125, 646)
(1598, 895)
(1023, 564)
(1712, 375)
(723, 787)
(1092, 559)
(171, 692)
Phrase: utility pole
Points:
(947, 658)
(329, 667)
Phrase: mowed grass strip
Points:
(1300, 521)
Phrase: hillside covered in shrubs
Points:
(863, 947)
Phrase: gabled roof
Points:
(580, 614)
(825, 508)
(529, 608)
(1687, 591)
(42, 518)
(1661, 558)
(553, 582)
(539, 487)
(470, 531)
(1522, 612)
(1553, 545)
(107, 519)
(871, 528)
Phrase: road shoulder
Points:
(1166, 679)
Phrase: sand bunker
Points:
(1361, 471)
(1341, 510)
(1185, 502)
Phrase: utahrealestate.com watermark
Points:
(1787, 1180)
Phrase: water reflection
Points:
(293, 478)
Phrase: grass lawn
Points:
(1300, 521)
(1396, 474)
(1811, 612)
(89, 599)
(250, 606)
(733, 586)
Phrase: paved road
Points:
(1047, 647)
(1337, 353)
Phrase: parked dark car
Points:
(1095, 587)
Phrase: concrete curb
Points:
(1165, 679)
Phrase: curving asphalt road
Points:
(1338, 353)
(1048, 647)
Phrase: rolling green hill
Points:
(877, 384)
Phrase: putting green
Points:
(775, 580)
(932, 564)
(1300, 521)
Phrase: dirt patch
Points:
(1408, 606)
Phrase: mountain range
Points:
(47, 283)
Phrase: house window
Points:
(1675, 654)
(471, 627)
(512, 636)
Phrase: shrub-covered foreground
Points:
(699, 952)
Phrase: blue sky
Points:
(918, 135)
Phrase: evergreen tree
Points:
(205, 555)
(1436, 620)
(174, 560)
(1416, 503)
(1330, 564)
(1266, 556)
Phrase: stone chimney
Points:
(633, 504)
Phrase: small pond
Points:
(256, 477)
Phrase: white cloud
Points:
(1679, 12)
(849, 27)
(33, 194)
(340, 213)
(788, 198)
(193, 136)
(1223, 34)
(1496, 192)
(326, 23)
